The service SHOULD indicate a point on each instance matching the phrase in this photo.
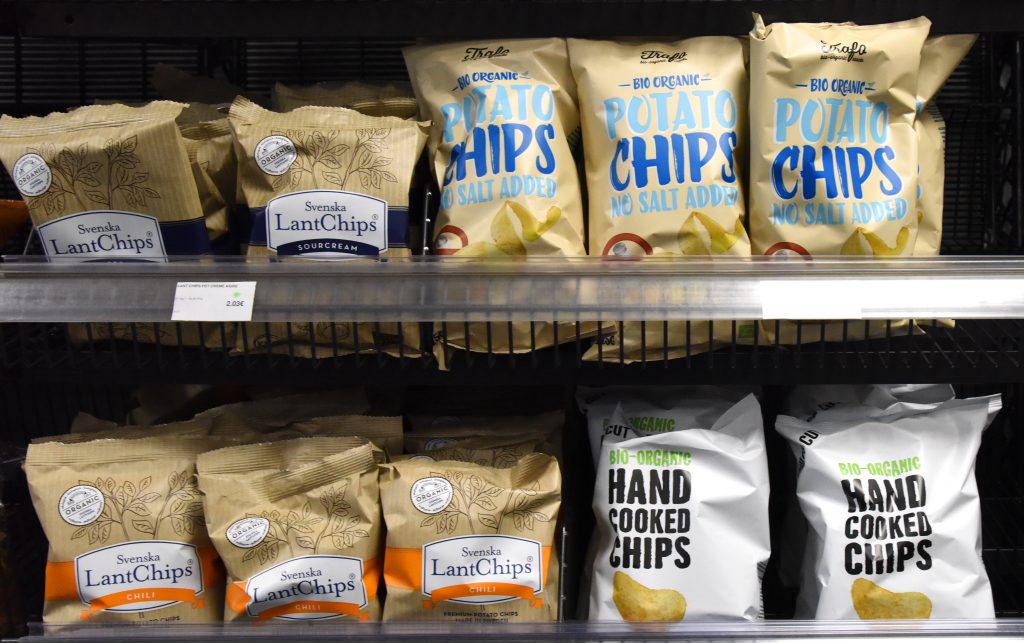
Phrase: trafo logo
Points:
(655, 56)
(477, 53)
(851, 53)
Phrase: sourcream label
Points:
(480, 570)
(103, 233)
(308, 588)
(327, 224)
(139, 576)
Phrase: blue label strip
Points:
(185, 237)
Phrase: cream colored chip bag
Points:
(327, 183)
(664, 130)
(469, 543)
(430, 433)
(939, 57)
(276, 412)
(374, 99)
(127, 539)
(833, 149)
(301, 540)
(501, 113)
(834, 154)
(662, 126)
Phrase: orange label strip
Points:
(482, 589)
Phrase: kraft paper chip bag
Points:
(682, 521)
(211, 151)
(327, 183)
(127, 539)
(891, 501)
(301, 541)
(664, 131)
(106, 181)
(372, 99)
(470, 543)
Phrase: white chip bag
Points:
(682, 521)
(892, 504)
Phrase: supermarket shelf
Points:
(779, 631)
(535, 289)
(452, 18)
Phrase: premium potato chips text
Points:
(298, 528)
(127, 538)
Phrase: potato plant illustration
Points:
(328, 158)
(298, 533)
(133, 508)
(478, 503)
(114, 180)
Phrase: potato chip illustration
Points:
(532, 229)
(639, 603)
(875, 602)
(691, 235)
(504, 232)
(875, 245)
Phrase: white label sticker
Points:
(316, 587)
(807, 299)
(207, 301)
(476, 561)
(327, 224)
(247, 532)
(31, 175)
(141, 569)
(81, 505)
(275, 154)
(439, 443)
(103, 233)
(431, 495)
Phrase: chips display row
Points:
(888, 524)
(254, 512)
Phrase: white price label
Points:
(205, 301)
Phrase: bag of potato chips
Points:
(833, 149)
(125, 525)
(301, 540)
(892, 504)
(664, 131)
(501, 115)
(939, 57)
(211, 150)
(107, 181)
(373, 99)
(834, 155)
(327, 183)
(431, 433)
(682, 521)
(470, 543)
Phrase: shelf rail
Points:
(539, 289)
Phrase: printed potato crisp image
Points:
(875, 602)
(639, 603)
